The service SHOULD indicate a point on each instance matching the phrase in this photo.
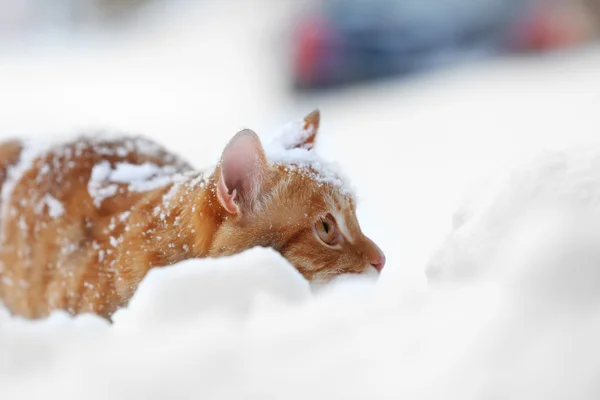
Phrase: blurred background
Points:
(422, 101)
(429, 95)
(327, 43)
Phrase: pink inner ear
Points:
(227, 199)
(242, 166)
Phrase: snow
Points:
(512, 311)
(139, 178)
(279, 149)
(55, 208)
(145, 177)
(558, 187)
(220, 286)
(100, 172)
(96, 187)
(129, 173)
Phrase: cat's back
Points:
(57, 201)
(92, 172)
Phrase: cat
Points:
(83, 222)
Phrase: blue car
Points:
(355, 40)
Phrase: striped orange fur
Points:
(78, 236)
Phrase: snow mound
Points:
(178, 311)
(552, 196)
(248, 326)
(224, 286)
(533, 234)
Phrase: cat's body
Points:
(82, 223)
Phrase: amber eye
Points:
(325, 229)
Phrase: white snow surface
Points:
(512, 311)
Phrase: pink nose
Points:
(378, 262)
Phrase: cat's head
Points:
(291, 201)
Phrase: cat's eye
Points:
(325, 229)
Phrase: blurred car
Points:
(344, 41)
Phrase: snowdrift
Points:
(512, 312)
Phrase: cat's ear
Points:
(306, 140)
(311, 127)
(241, 171)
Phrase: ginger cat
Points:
(83, 222)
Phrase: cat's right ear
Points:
(241, 172)
(311, 126)
(306, 138)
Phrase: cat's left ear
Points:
(306, 140)
(241, 171)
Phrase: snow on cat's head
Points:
(290, 199)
